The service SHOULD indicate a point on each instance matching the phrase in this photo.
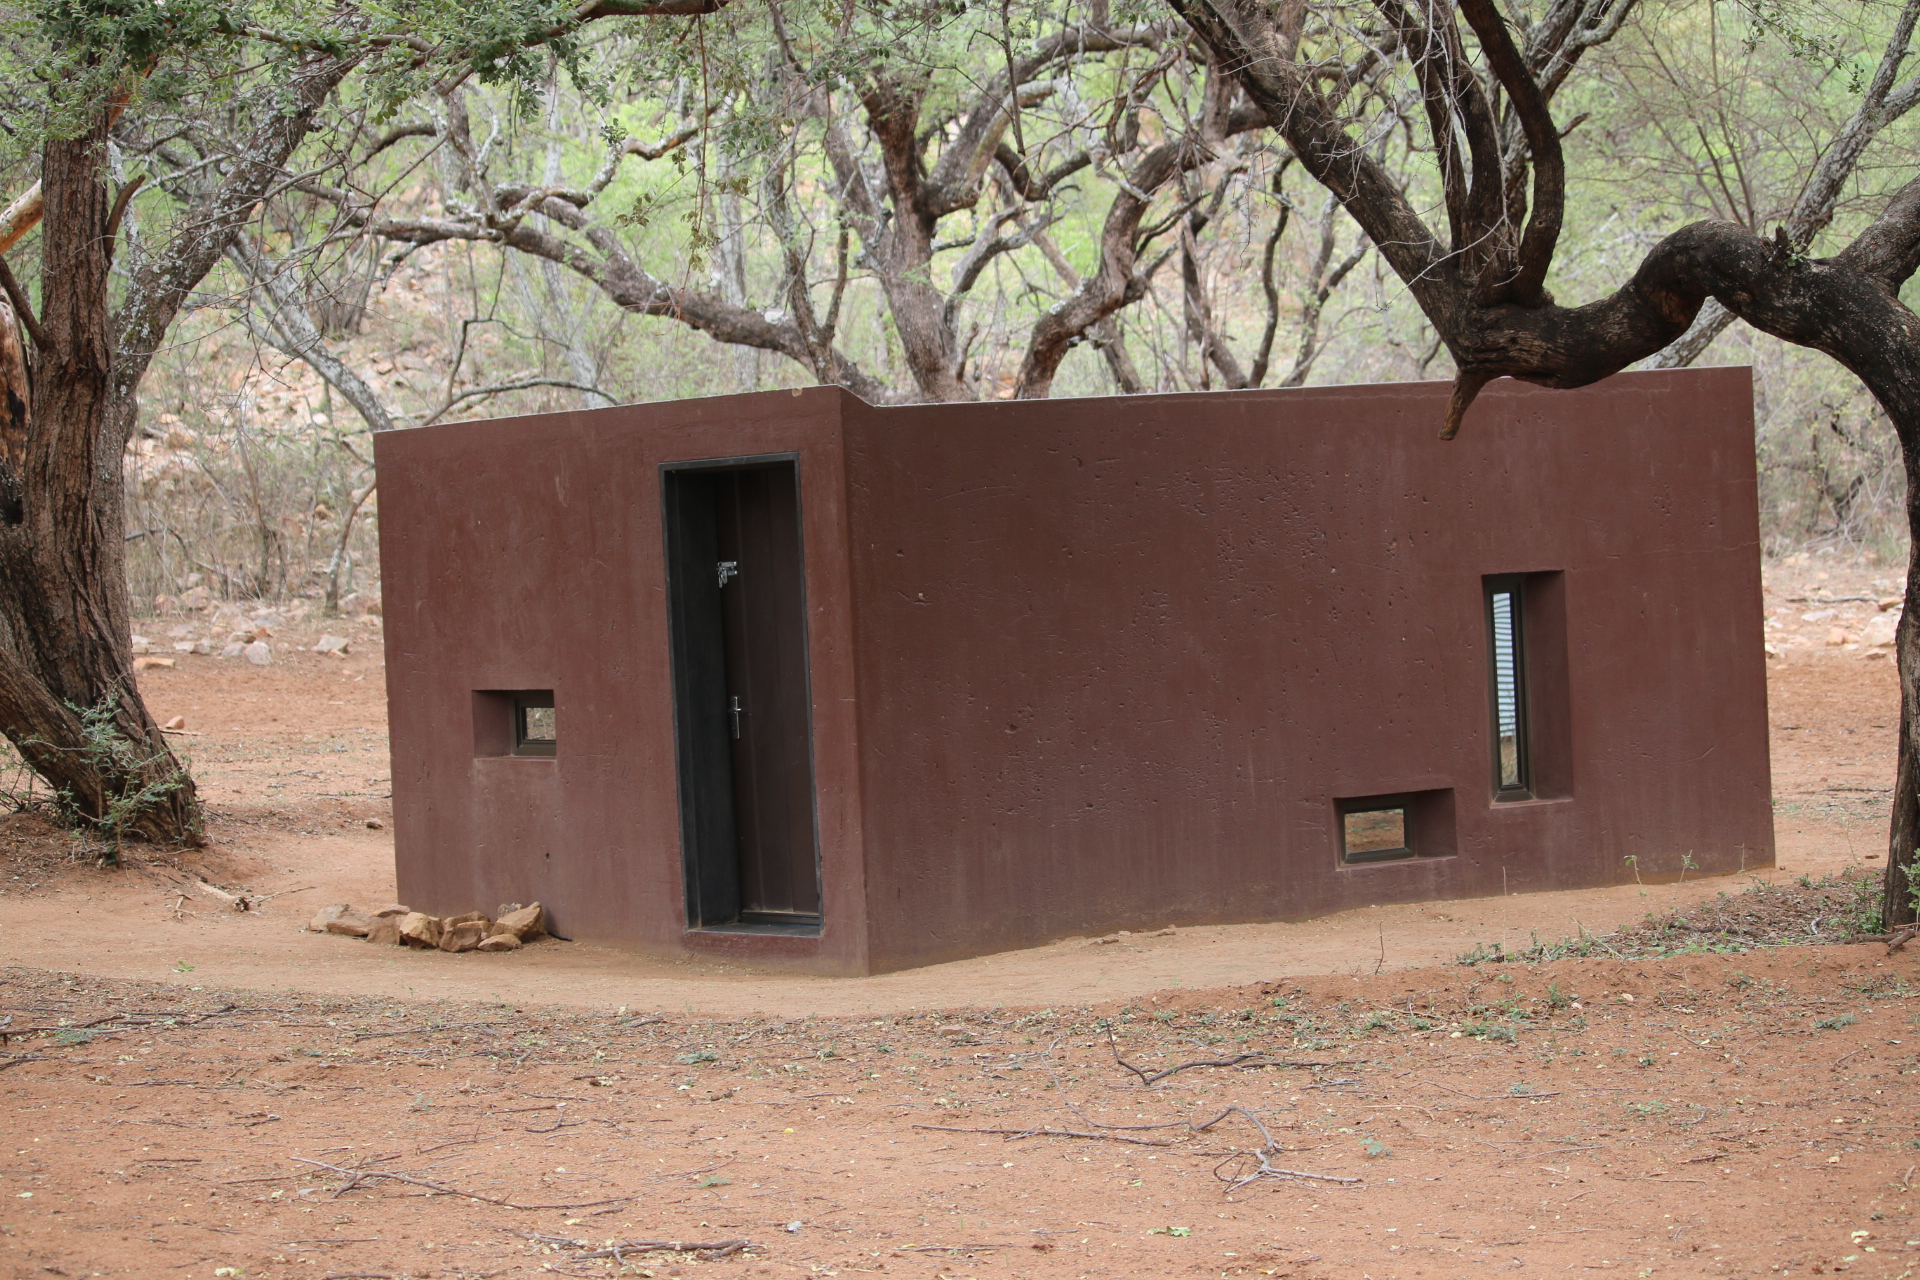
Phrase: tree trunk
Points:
(64, 627)
(1903, 837)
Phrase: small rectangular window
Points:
(1374, 835)
(533, 723)
(1506, 627)
(1400, 827)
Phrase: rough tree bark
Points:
(63, 615)
(1483, 286)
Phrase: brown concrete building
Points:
(794, 680)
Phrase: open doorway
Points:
(736, 591)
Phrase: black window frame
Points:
(532, 700)
(1514, 586)
(1377, 804)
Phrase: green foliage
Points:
(135, 779)
(1806, 34)
(1482, 953)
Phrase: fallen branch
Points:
(952, 1248)
(708, 1252)
(1013, 1135)
(412, 1031)
(356, 1176)
(19, 1058)
(1265, 1168)
(1257, 1058)
(1492, 1097)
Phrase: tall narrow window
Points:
(1507, 628)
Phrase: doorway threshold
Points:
(784, 930)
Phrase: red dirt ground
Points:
(1690, 1116)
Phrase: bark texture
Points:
(63, 615)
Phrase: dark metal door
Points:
(763, 621)
(736, 588)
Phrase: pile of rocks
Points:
(396, 926)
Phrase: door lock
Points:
(728, 569)
(733, 709)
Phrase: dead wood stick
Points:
(412, 1031)
(451, 1142)
(1258, 1058)
(713, 1249)
(1015, 1134)
(355, 1176)
(19, 1058)
(1902, 938)
(1492, 1097)
(952, 1248)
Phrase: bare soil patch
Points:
(1690, 1116)
(198, 1091)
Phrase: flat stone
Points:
(500, 942)
(326, 916)
(259, 653)
(465, 936)
(354, 924)
(393, 909)
(385, 931)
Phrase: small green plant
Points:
(181, 966)
(1557, 998)
(714, 1180)
(1376, 1149)
(69, 1036)
(1482, 953)
(1171, 1231)
(697, 1056)
(1487, 1030)
(1686, 865)
(120, 764)
(1836, 1022)
(1648, 1108)
(1633, 865)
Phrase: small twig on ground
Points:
(1264, 1167)
(1492, 1097)
(1013, 1135)
(19, 1058)
(951, 1248)
(1256, 1059)
(356, 1176)
(708, 1251)
(451, 1142)
(410, 1031)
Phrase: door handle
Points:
(733, 710)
